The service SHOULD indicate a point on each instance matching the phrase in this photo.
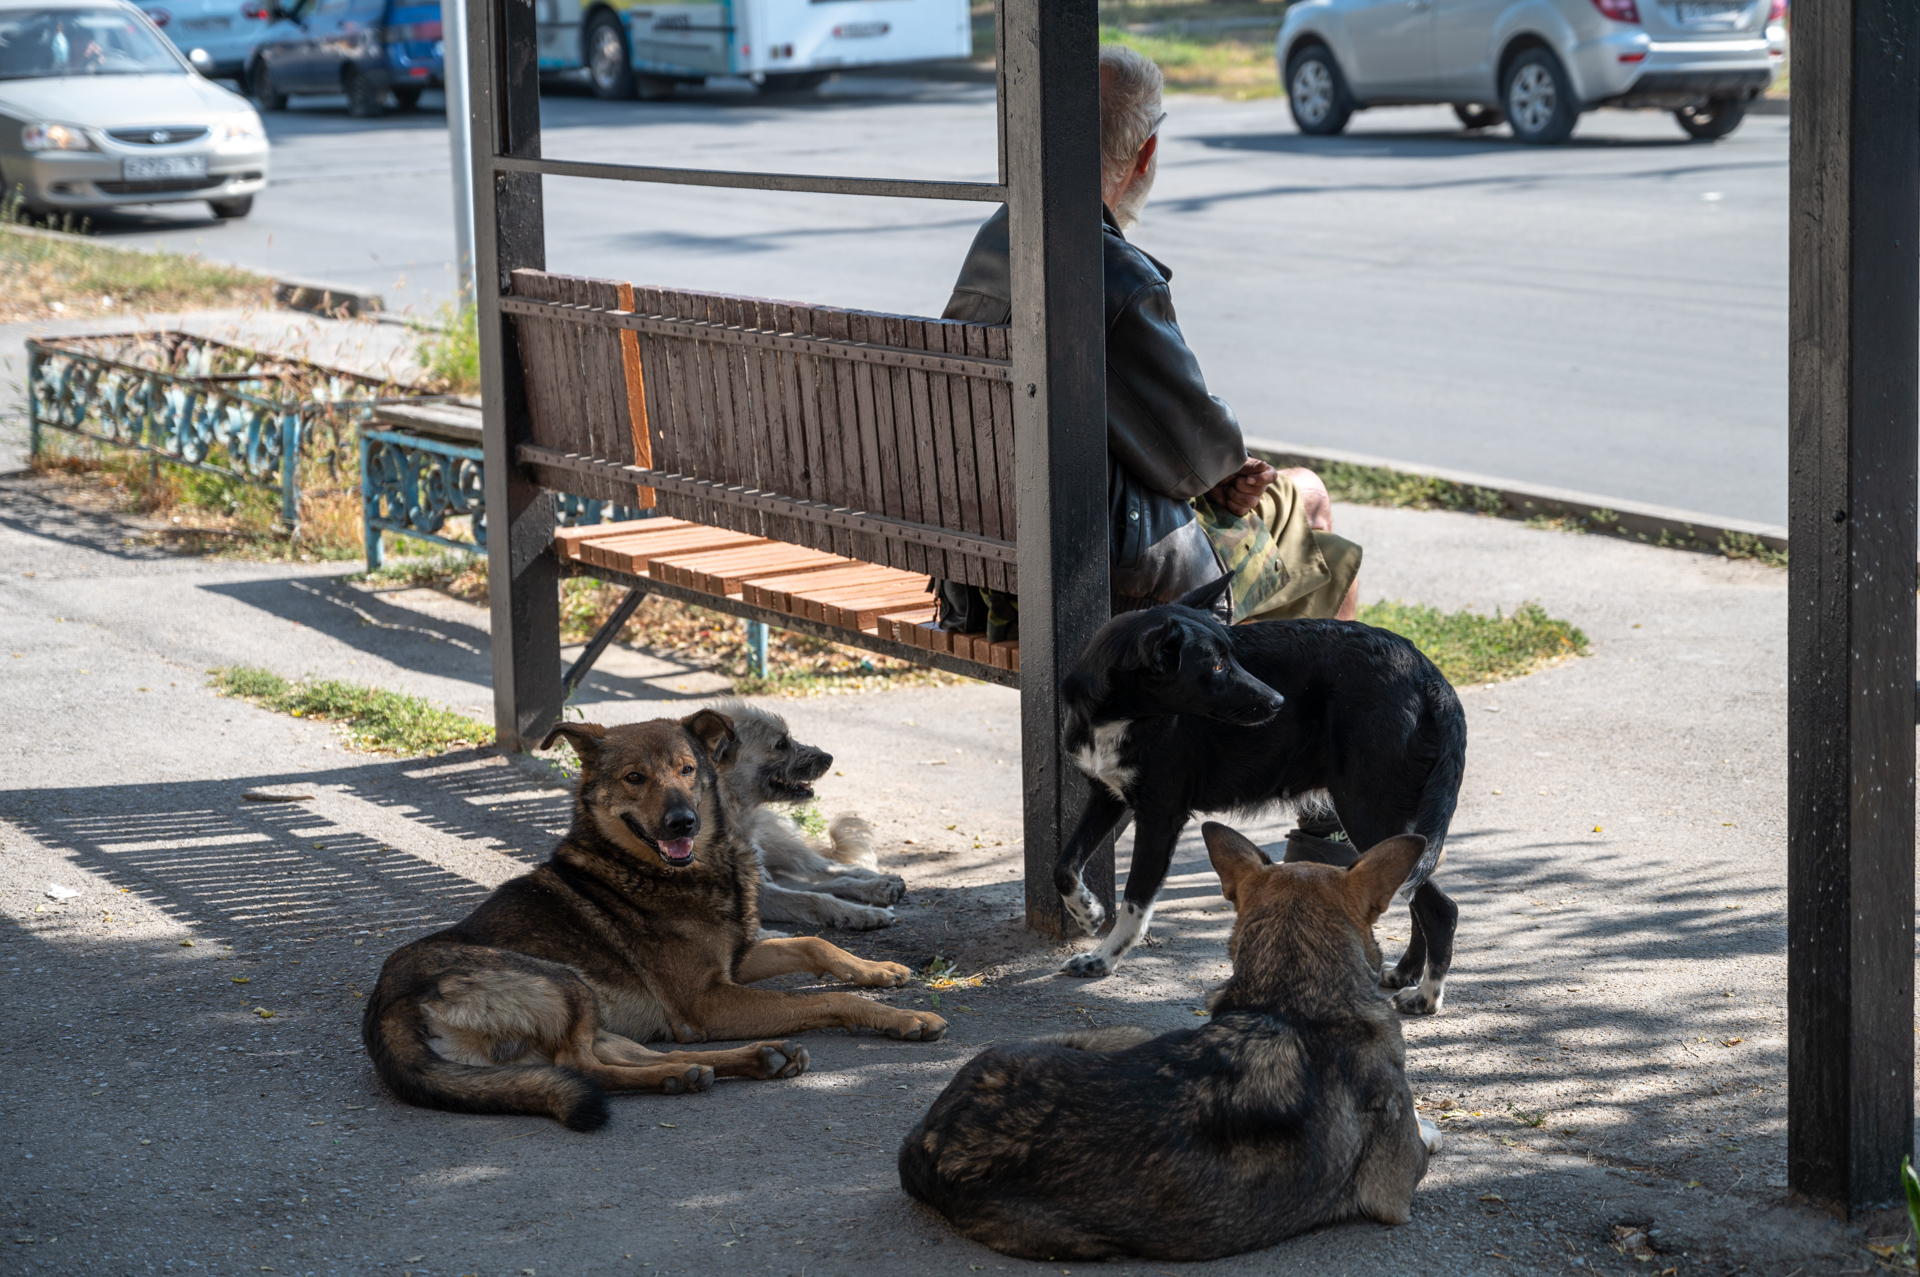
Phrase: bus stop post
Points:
(1853, 387)
(1050, 134)
(523, 579)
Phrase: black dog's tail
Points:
(1444, 724)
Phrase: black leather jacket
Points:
(1162, 424)
(1168, 440)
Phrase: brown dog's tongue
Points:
(678, 850)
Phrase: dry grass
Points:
(47, 276)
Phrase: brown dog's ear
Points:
(1233, 854)
(1379, 873)
(714, 730)
(584, 737)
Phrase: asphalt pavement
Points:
(1608, 315)
(183, 1090)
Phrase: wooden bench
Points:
(809, 468)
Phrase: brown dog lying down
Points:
(639, 928)
(1288, 1111)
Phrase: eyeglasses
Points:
(1157, 122)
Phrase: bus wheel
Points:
(608, 65)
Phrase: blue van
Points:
(366, 49)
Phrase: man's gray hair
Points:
(1130, 87)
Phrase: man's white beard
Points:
(1127, 211)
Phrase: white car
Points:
(1537, 64)
(98, 109)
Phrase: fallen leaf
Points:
(413, 1259)
(146, 1141)
(1732, 1042)
(263, 1013)
(186, 944)
(1692, 1183)
(243, 979)
(1492, 1197)
(1596, 829)
(670, 1126)
(1496, 1254)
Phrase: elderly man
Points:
(1186, 501)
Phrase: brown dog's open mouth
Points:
(677, 852)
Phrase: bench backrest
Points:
(887, 438)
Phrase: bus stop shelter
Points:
(1854, 405)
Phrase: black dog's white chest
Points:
(1103, 756)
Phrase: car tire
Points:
(609, 61)
(1317, 92)
(260, 85)
(407, 96)
(228, 210)
(795, 82)
(1537, 99)
(1714, 120)
(1477, 115)
(364, 100)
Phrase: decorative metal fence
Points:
(208, 404)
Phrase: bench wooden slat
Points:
(723, 571)
(633, 553)
(864, 613)
(930, 395)
(1000, 396)
(566, 541)
(910, 385)
(778, 592)
(893, 430)
(952, 406)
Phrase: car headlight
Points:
(242, 127)
(54, 137)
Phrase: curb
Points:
(331, 300)
(1607, 516)
(1769, 106)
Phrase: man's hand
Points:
(1240, 491)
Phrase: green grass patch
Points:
(1236, 63)
(449, 350)
(1741, 545)
(63, 274)
(369, 718)
(1470, 648)
(1377, 485)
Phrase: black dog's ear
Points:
(1203, 599)
(584, 737)
(714, 730)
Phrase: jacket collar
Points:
(1112, 227)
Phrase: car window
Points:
(42, 43)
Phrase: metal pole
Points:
(1854, 417)
(523, 577)
(453, 43)
(757, 648)
(1050, 126)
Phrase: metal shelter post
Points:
(1050, 103)
(1853, 387)
(523, 578)
(460, 143)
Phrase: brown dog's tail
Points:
(395, 1034)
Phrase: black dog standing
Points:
(1171, 712)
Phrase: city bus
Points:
(633, 49)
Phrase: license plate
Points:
(1710, 15)
(144, 169)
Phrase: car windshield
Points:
(40, 43)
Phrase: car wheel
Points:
(1538, 99)
(1714, 120)
(364, 101)
(795, 82)
(227, 210)
(1477, 115)
(407, 96)
(260, 83)
(609, 67)
(1317, 93)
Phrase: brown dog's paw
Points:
(782, 1059)
(918, 1026)
(878, 975)
(698, 1077)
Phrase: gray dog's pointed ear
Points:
(714, 730)
(1379, 873)
(584, 737)
(1203, 599)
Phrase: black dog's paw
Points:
(1395, 978)
(1084, 908)
(1418, 1000)
(1088, 965)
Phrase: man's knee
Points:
(1313, 497)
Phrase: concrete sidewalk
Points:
(1618, 857)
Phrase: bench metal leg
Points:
(757, 648)
(602, 637)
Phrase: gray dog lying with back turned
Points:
(834, 882)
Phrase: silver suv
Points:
(1537, 64)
